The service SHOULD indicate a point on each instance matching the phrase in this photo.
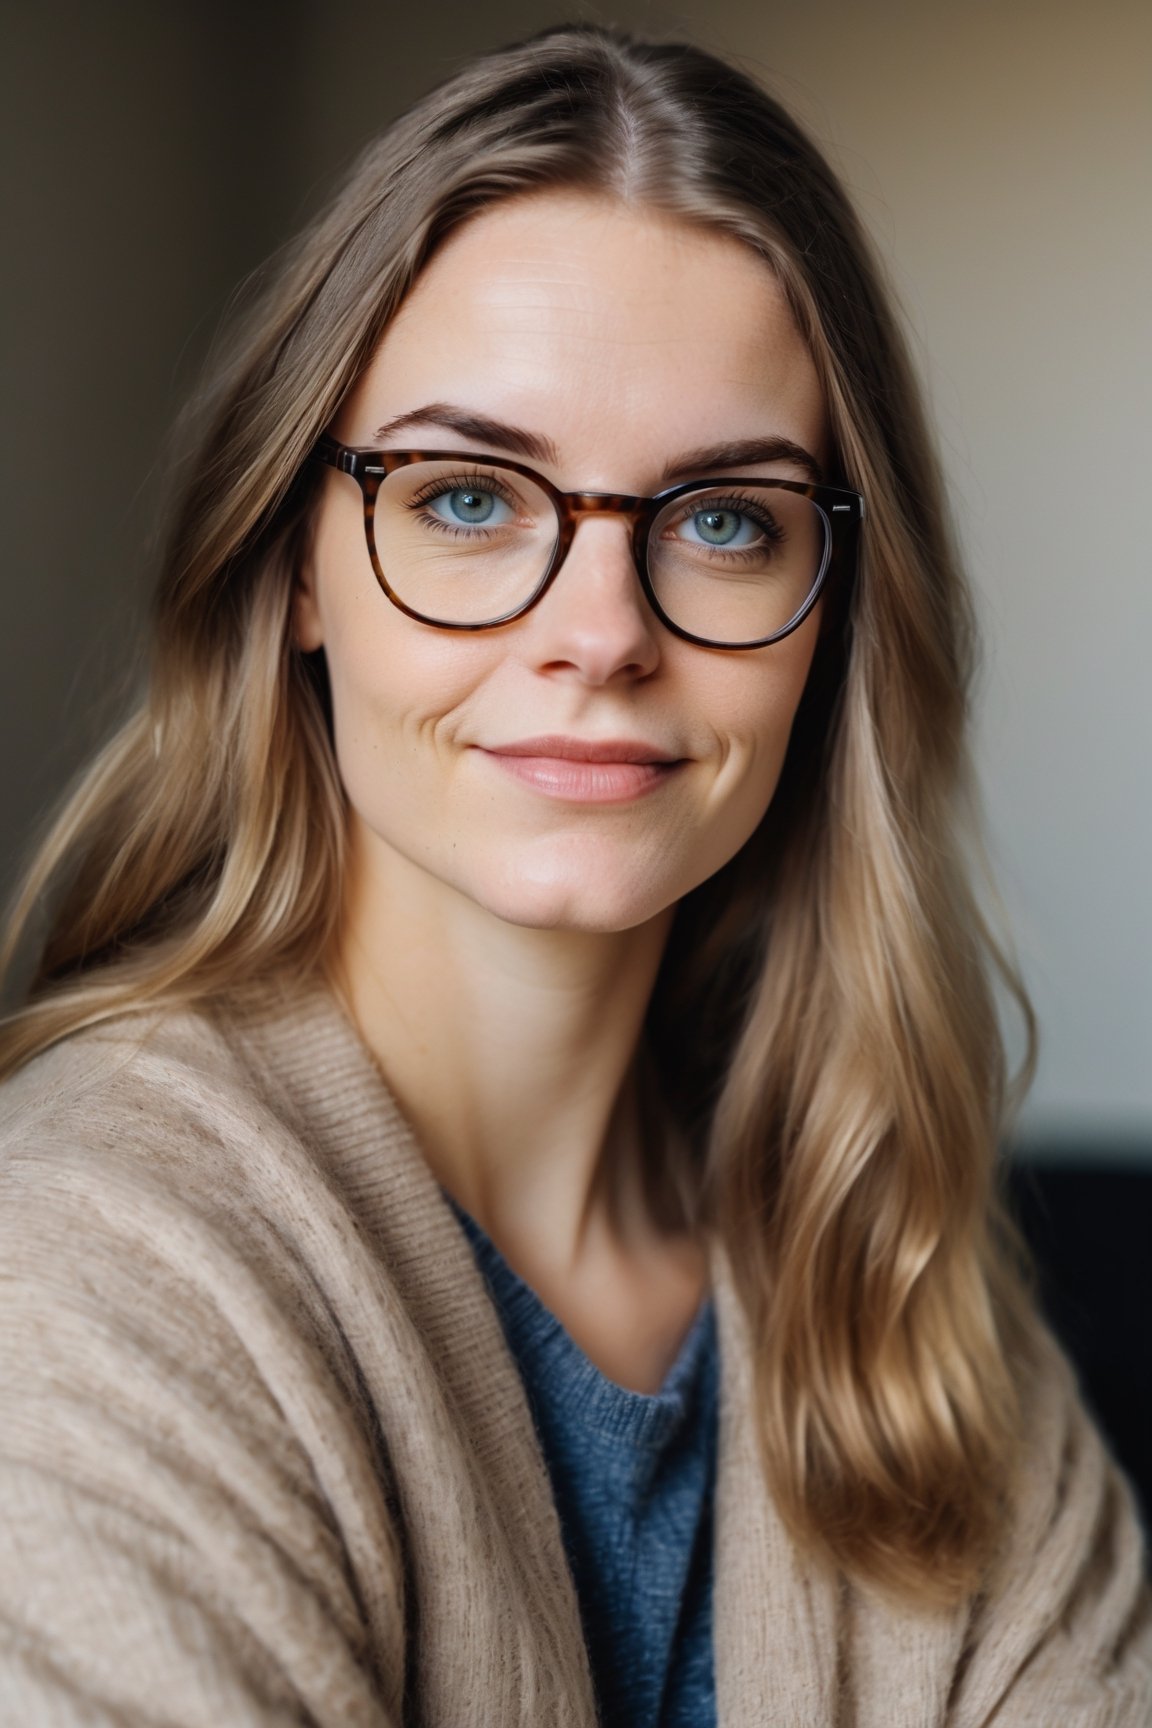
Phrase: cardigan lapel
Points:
(777, 1626)
(794, 1643)
(498, 1633)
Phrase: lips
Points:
(585, 770)
(562, 749)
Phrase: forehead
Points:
(613, 330)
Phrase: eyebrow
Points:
(534, 447)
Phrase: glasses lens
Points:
(463, 543)
(737, 564)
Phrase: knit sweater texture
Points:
(266, 1457)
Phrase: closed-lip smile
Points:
(565, 749)
(586, 770)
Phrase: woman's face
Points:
(619, 344)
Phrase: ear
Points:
(307, 630)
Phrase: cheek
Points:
(751, 705)
(388, 677)
(400, 696)
(756, 708)
(389, 698)
(382, 715)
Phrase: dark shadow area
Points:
(1089, 1225)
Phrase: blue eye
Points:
(717, 526)
(470, 507)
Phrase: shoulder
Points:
(222, 1169)
(152, 1183)
(127, 1203)
(163, 1067)
(165, 1101)
(168, 1225)
(183, 1453)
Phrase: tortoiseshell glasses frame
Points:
(841, 509)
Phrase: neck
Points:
(510, 1049)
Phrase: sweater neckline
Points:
(645, 1420)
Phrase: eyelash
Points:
(764, 520)
(458, 483)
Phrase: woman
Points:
(512, 1057)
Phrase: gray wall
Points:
(1002, 155)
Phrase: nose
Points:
(594, 622)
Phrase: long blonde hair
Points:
(823, 1019)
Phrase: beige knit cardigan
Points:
(265, 1457)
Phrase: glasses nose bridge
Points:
(581, 504)
(576, 507)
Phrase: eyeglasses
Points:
(464, 542)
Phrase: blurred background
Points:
(1000, 153)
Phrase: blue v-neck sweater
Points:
(633, 1476)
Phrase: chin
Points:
(586, 905)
